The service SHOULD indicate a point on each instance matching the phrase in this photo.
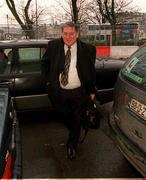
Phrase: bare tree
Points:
(74, 10)
(25, 17)
(92, 13)
(110, 11)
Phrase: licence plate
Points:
(138, 108)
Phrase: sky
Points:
(4, 11)
(140, 4)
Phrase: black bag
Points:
(91, 117)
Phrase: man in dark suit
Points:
(68, 66)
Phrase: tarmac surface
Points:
(44, 150)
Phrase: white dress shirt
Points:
(73, 78)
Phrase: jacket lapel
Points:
(61, 55)
(79, 54)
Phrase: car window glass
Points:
(135, 68)
(2, 67)
(29, 59)
(29, 54)
(4, 62)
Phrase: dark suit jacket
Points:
(53, 64)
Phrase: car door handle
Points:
(5, 83)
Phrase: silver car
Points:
(128, 117)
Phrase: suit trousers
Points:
(72, 104)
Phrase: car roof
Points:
(23, 43)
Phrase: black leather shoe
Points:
(71, 153)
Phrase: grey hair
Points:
(70, 24)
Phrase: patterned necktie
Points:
(64, 74)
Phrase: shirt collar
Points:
(72, 47)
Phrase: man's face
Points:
(69, 35)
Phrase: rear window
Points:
(135, 68)
(30, 59)
(30, 54)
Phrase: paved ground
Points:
(44, 151)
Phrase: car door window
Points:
(135, 68)
(30, 59)
(4, 62)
